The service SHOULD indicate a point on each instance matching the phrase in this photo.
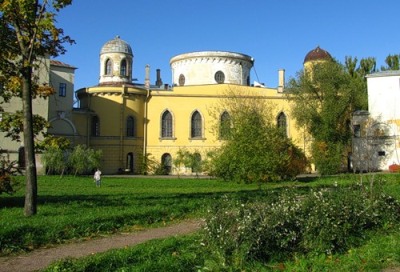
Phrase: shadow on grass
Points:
(307, 177)
(129, 199)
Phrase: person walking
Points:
(97, 177)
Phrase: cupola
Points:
(317, 54)
(116, 62)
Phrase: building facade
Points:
(128, 121)
(376, 141)
(56, 108)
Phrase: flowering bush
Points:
(326, 220)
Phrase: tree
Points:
(12, 125)
(54, 159)
(181, 159)
(188, 159)
(392, 62)
(79, 160)
(255, 150)
(27, 34)
(323, 102)
(84, 160)
(149, 164)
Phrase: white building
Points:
(376, 142)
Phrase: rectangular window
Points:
(357, 131)
(62, 90)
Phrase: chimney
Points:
(159, 80)
(147, 77)
(281, 82)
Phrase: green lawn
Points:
(73, 208)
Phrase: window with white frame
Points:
(196, 125)
(166, 125)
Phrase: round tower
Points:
(211, 67)
(116, 62)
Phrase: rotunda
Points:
(211, 67)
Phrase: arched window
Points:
(219, 77)
(282, 123)
(166, 163)
(196, 164)
(130, 126)
(166, 125)
(123, 68)
(196, 125)
(95, 126)
(108, 67)
(224, 125)
(181, 80)
(129, 162)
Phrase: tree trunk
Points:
(30, 207)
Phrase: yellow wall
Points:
(114, 104)
(183, 101)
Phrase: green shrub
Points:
(323, 221)
(8, 169)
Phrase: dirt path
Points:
(41, 258)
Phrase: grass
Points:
(73, 208)
(186, 254)
(171, 254)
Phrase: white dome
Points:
(116, 45)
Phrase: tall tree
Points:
(324, 100)
(392, 63)
(28, 34)
(254, 150)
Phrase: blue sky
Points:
(276, 33)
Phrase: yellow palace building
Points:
(127, 120)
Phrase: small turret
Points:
(116, 62)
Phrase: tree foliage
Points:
(54, 159)
(255, 149)
(8, 170)
(84, 160)
(392, 62)
(188, 159)
(149, 164)
(12, 125)
(27, 35)
(324, 100)
(79, 160)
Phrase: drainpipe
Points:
(147, 86)
(88, 119)
(121, 125)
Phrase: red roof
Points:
(317, 54)
(61, 64)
